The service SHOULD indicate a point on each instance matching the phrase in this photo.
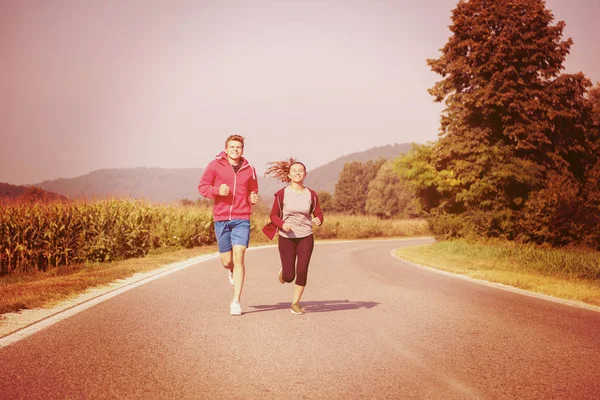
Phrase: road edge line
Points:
(497, 285)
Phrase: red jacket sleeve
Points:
(317, 211)
(276, 212)
(206, 188)
(270, 230)
(253, 183)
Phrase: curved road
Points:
(375, 328)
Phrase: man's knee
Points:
(238, 254)
(226, 260)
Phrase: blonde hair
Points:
(237, 138)
(281, 169)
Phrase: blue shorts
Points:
(231, 233)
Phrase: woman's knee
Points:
(288, 275)
(301, 279)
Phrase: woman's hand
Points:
(316, 221)
(286, 227)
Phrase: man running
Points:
(232, 182)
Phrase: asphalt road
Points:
(375, 328)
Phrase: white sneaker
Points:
(230, 276)
(235, 308)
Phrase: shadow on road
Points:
(315, 306)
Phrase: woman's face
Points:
(297, 173)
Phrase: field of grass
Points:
(40, 236)
(50, 252)
(572, 274)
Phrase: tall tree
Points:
(511, 119)
(325, 200)
(388, 196)
(590, 212)
(353, 185)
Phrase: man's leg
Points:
(239, 270)
(227, 260)
(240, 237)
(223, 235)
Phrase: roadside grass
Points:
(341, 226)
(45, 289)
(572, 274)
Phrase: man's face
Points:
(234, 150)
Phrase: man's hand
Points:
(223, 189)
(316, 221)
(253, 197)
(286, 227)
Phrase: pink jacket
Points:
(270, 230)
(236, 205)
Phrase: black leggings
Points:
(289, 249)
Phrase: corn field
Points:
(38, 236)
(43, 235)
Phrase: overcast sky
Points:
(86, 85)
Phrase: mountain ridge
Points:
(175, 184)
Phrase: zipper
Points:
(234, 185)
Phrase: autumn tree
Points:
(326, 201)
(590, 196)
(512, 121)
(35, 194)
(351, 190)
(388, 196)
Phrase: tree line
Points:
(518, 150)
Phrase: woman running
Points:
(295, 208)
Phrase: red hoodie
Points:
(236, 205)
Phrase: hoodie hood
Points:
(222, 156)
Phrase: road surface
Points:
(375, 328)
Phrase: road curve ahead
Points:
(375, 328)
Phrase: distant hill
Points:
(27, 193)
(164, 185)
(153, 184)
(326, 176)
(174, 184)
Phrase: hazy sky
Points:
(86, 85)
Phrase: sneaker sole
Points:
(232, 312)
(296, 313)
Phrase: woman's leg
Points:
(287, 253)
(298, 290)
(304, 251)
